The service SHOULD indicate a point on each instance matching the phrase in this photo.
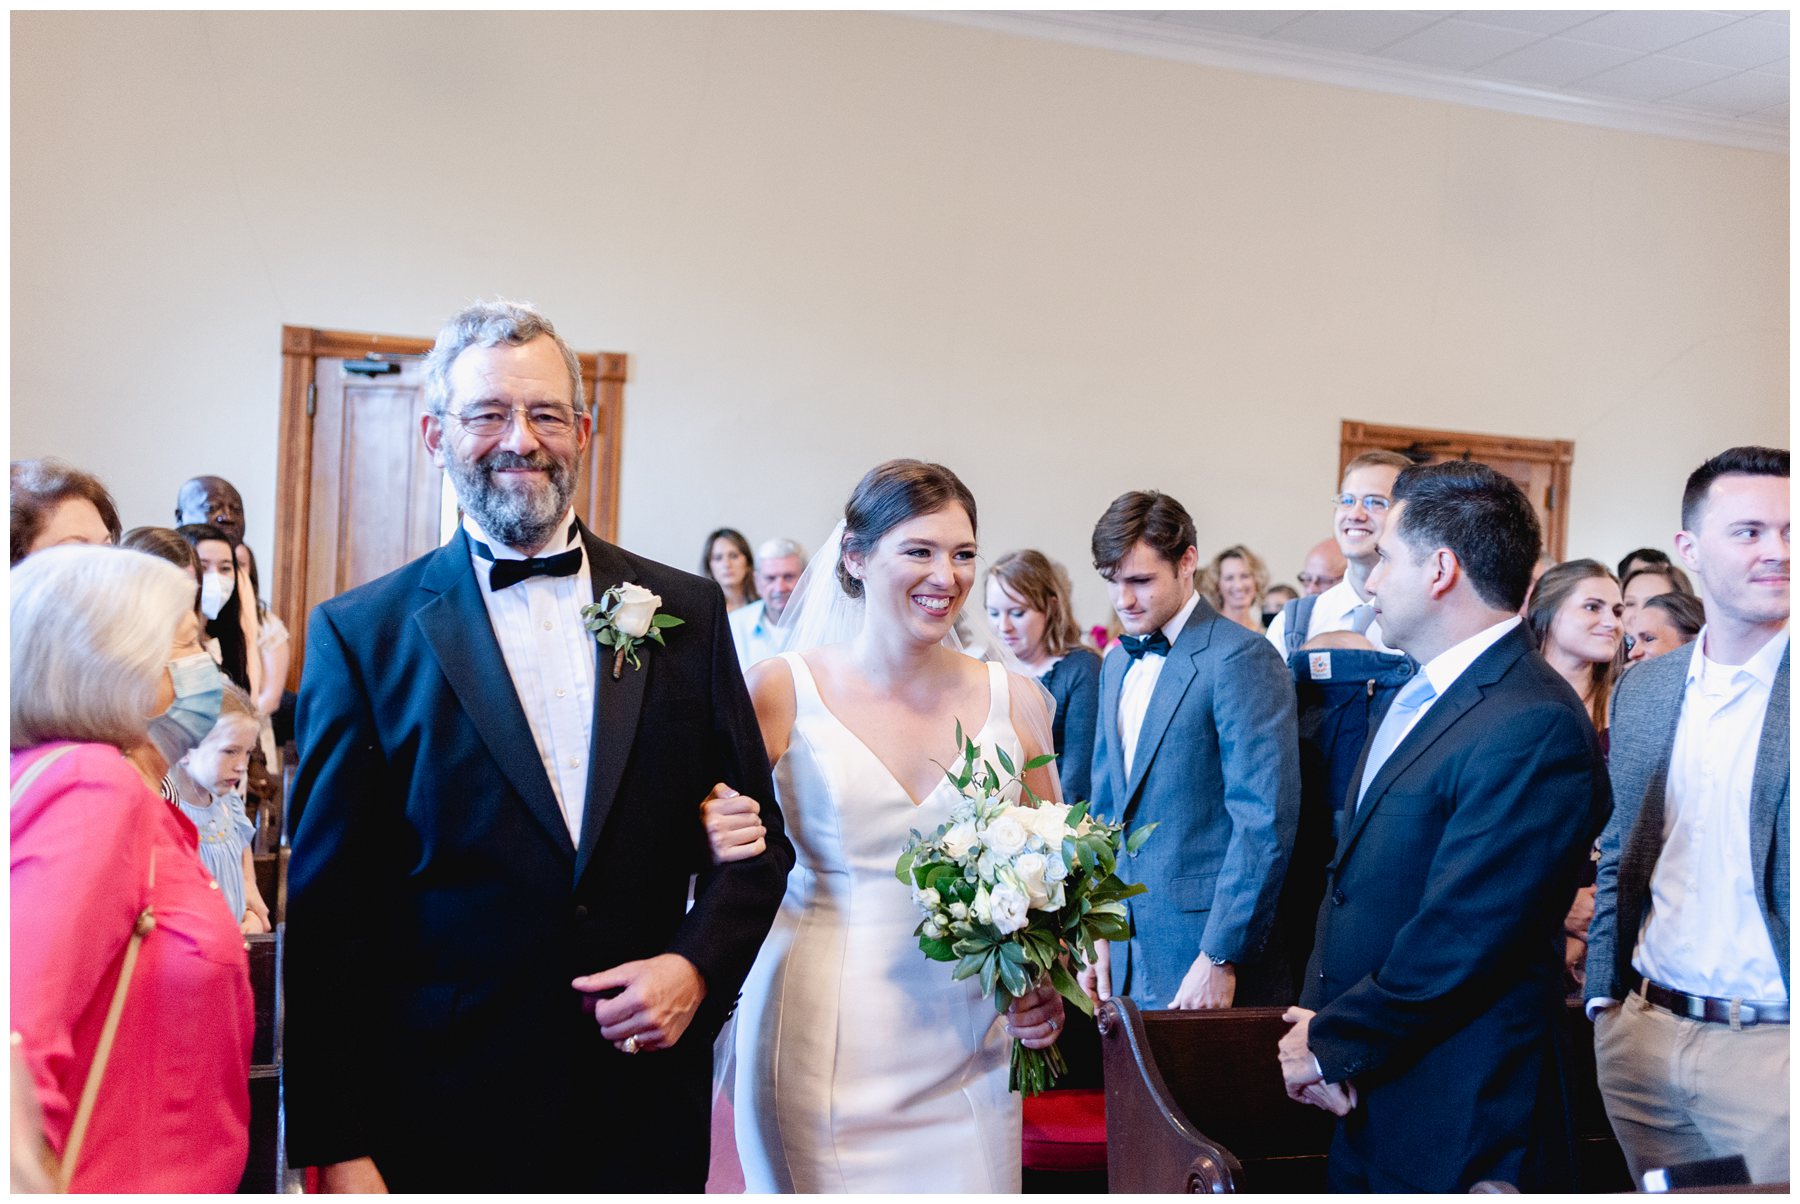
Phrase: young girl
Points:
(209, 785)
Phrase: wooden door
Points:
(376, 497)
(1540, 466)
(356, 494)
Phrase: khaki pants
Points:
(1679, 1090)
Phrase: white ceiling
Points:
(1718, 76)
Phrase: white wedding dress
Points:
(861, 1065)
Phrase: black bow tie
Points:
(1136, 645)
(510, 572)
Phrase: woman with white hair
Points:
(131, 1000)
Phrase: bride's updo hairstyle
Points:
(887, 496)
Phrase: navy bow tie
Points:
(1136, 645)
(510, 572)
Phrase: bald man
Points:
(1324, 568)
(211, 500)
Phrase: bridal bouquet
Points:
(1016, 889)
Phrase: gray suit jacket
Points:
(1218, 767)
(1646, 712)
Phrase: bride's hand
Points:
(733, 830)
(1036, 1017)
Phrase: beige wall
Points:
(827, 239)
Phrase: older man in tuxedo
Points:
(494, 980)
(1688, 949)
(1435, 988)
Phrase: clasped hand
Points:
(1036, 1017)
(655, 1001)
(1301, 1070)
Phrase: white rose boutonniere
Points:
(623, 618)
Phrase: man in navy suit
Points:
(494, 981)
(1434, 995)
(1196, 734)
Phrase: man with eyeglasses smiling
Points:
(1362, 506)
(494, 981)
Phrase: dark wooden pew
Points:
(265, 1169)
(1195, 1103)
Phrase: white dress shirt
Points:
(1444, 668)
(1334, 611)
(756, 638)
(1140, 684)
(1704, 933)
(550, 657)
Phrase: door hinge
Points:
(1549, 497)
(312, 399)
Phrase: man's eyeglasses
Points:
(1374, 503)
(486, 421)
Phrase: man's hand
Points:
(1300, 1069)
(1205, 986)
(656, 1000)
(734, 829)
(1036, 1017)
(1096, 978)
(357, 1176)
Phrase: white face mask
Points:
(215, 592)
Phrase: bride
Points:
(860, 1065)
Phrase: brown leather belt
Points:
(1716, 1011)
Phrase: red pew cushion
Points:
(1066, 1131)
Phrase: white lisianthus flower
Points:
(1032, 868)
(960, 839)
(637, 606)
(983, 906)
(1006, 835)
(959, 911)
(927, 898)
(1009, 907)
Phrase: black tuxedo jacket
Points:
(1437, 973)
(437, 909)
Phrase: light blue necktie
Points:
(1398, 720)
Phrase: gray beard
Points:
(521, 519)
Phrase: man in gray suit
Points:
(1196, 734)
(1688, 950)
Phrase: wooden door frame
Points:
(603, 374)
(1357, 437)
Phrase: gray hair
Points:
(91, 631)
(774, 549)
(488, 324)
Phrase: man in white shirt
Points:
(1362, 507)
(1196, 733)
(1435, 987)
(1688, 949)
(779, 563)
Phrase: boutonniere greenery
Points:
(623, 618)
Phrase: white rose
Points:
(1051, 821)
(927, 898)
(637, 606)
(1032, 868)
(1006, 835)
(1009, 907)
(1054, 869)
(959, 840)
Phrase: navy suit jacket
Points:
(1437, 973)
(1218, 768)
(437, 908)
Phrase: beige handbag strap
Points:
(90, 1090)
(38, 766)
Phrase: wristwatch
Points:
(1217, 961)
